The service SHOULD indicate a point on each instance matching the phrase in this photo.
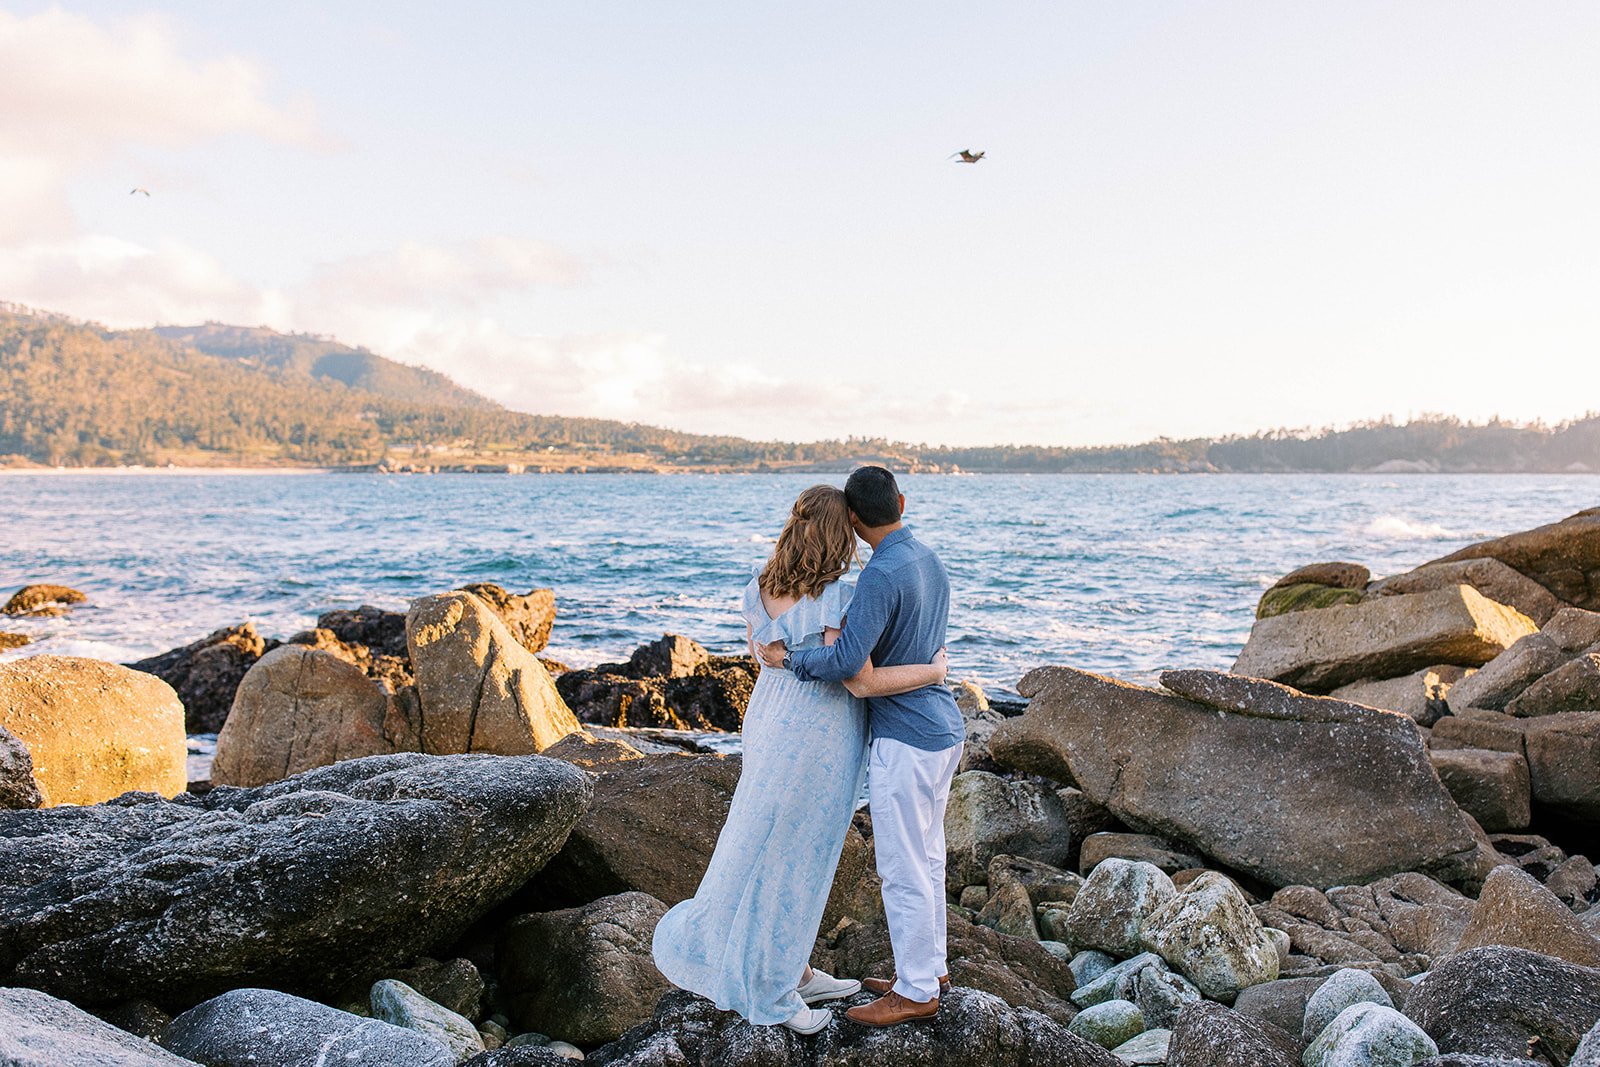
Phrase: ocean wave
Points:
(1400, 528)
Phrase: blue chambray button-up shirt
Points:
(899, 615)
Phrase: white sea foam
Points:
(1400, 528)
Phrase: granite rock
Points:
(1491, 1001)
(251, 1027)
(37, 1030)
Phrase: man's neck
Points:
(875, 535)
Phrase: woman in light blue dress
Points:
(744, 939)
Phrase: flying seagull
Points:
(146, 192)
(967, 155)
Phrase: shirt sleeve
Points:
(868, 617)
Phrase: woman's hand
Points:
(941, 660)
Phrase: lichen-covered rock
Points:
(1492, 787)
(300, 708)
(1044, 882)
(1515, 910)
(989, 816)
(1588, 1054)
(1491, 1001)
(1161, 994)
(1148, 1048)
(1339, 575)
(1009, 909)
(1490, 577)
(583, 974)
(1112, 982)
(206, 673)
(1208, 934)
(1210, 1035)
(37, 1030)
(971, 1029)
(1109, 1023)
(1343, 989)
(1317, 651)
(309, 884)
(395, 1002)
(1112, 907)
(1289, 788)
(1564, 557)
(1369, 1035)
(480, 690)
(250, 1027)
(1574, 686)
(93, 729)
(1303, 596)
(17, 787)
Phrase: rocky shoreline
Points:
(422, 843)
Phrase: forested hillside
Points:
(76, 394)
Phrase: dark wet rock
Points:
(251, 1027)
(17, 787)
(1574, 686)
(584, 975)
(1385, 637)
(207, 673)
(1419, 696)
(671, 683)
(1303, 596)
(94, 730)
(1282, 786)
(519, 1056)
(1490, 577)
(37, 1030)
(311, 884)
(973, 1029)
(138, 1016)
(529, 616)
(382, 632)
(1210, 1035)
(1015, 969)
(42, 599)
(300, 708)
(1492, 787)
(1517, 911)
(1564, 557)
(1491, 1001)
(1463, 1059)
(480, 690)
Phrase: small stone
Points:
(1573, 882)
(565, 1050)
(1342, 990)
(1149, 1048)
(1370, 1035)
(1057, 949)
(1052, 921)
(1091, 964)
(1114, 903)
(1009, 909)
(395, 1002)
(1109, 1023)
(1161, 994)
(974, 897)
(1282, 942)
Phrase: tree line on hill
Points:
(76, 394)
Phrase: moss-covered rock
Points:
(1303, 596)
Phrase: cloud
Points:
(76, 92)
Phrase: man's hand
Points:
(772, 655)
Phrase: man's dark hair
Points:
(873, 495)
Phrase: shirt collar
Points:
(894, 537)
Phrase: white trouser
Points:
(909, 789)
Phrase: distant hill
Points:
(309, 356)
(77, 394)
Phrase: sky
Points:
(1193, 219)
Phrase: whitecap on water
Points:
(1399, 528)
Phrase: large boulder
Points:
(1419, 696)
(1286, 787)
(1370, 1035)
(206, 673)
(1492, 787)
(1564, 557)
(1517, 911)
(1563, 752)
(37, 1030)
(1112, 906)
(94, 730)
(672, 682)
(1574, 686)
(251, 1027)
(1210, 1035)
(310, 884)
(1492, 1001)
(988, 816)
(1208, 934)
(1508, 674)
(42, 599)
(972, 1028)
(1343, 989)
(1490, 577)
(1381, 638)
(585, 974)
(300, 708)
(480, 690)
(529, 616)
(17, 787)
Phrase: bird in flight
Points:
(139, 189)
(967, 155)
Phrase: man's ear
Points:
(902, 505)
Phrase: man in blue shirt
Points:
(899, 614)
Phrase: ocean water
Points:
(1123, 574)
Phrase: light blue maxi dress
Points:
(745, 937)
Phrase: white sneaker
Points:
(824, 987)
(810, 1021)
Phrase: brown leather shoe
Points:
(892, 1009)
(880, 986)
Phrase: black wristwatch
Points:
(787, 656)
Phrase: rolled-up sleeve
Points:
(863, 626)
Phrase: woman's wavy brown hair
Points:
(816, 547)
